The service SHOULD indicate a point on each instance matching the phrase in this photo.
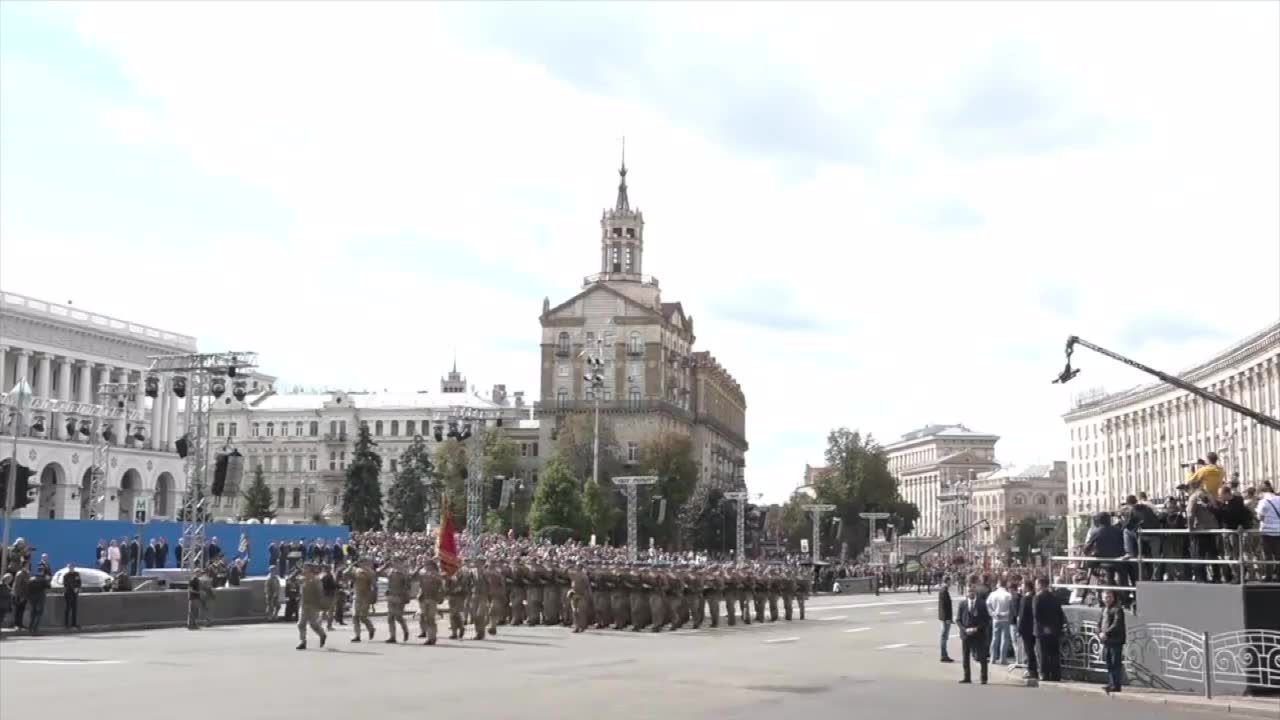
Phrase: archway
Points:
(130, 488)
(162, 507)
(50, 478)
(86, 494)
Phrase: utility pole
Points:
(817, 511)
(630, 482)
(871, 519)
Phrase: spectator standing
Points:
(1268, 512)
(37, 590)
(1049, 620)
(1000, 607)
(113, 558)
(21, 582)
(135, 555)
(1111, 631)
(6, 597)
(1027, 630)
(71, 585)
(162, 554)
(945, 617)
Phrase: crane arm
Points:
(1068, 373)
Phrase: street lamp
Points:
(596, 381)
(21, 397)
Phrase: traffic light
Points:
(22, 485)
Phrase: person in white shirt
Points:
(1000, 607)
(113, 557)
(1268, 511)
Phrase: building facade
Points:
(655, 381)
(1006, 496)
(304, 441)
(932, 464)
(66, 353)
(1143, 439)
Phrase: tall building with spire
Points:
(655, 381)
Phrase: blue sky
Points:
(880, 215)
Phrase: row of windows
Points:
(633, 397)
(635, 342)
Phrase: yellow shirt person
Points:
(1209, 476)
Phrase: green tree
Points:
(500, 455)
(362, 493)
(857, 480)
(557, 501)
(1024, 535)
(257, 498)
(495, 522)
(574, 444)
(601, 513)
(450, 460)
(669, 456)
(408, 497)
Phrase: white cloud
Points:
(916, 179)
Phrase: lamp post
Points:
(630, 482)
(596, 381)
(21, 397)
(817, 511)
(871, 519)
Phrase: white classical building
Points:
(304, 441)
(933, 460)
(1141, 438)
(66, 353)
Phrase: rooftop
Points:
(941, 431)
(29, 306)
(376, 401)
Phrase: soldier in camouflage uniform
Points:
(364, 584)
(519, 586)
(430, 595)
(803, 589)
(771, 582)
(657, 599)
(397, 598)
(787, 589)
(601, 594)
(497, 586)
(714, 592)
(534, 590)
(640, 588)
(731, 594)
(562, 594)
(760, 592)
(478, 600)
(455, 587)
(694, 600)
(745, 585)
(579, 597)
(620, 601)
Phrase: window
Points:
(562, 344)
(409, 428)
(342, 459)
(257, 429)
(266, 463)
(562, 398)
(221, 430)
(297, 463)
(271, 429)
(233, 430)
(311, 462)
(333, 461)
(395, 428)
(333, 427)
(633, 451)
(315, 428)
(562, 370)
(524, 449)
(342, 427)
(634, 399)
(626, 263)
(635, 345)
(297, 498)
(377, 428)
(393, 467)
(591, 339)
(607, 396)
(280, 497)
(284, 429)
(591, 394)
(535, 449)
(297, 428)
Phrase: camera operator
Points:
(1139, 515)
(1208, 475)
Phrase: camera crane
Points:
(1068, 373)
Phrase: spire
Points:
(623, 204)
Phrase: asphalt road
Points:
(854, 656)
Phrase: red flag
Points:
(447, 544)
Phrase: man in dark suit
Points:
(162, 553)
(149, 556)
(1048, 620)
(1026, 621)
(338, 559)
(945, 617)
(975, 634)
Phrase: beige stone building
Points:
(1006, 496)
(931, 464)
(654, 379)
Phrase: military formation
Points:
(485, 594)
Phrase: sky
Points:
(880, 215)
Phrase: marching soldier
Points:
(804, 587)
(771, 582)
(551, 593)
(694, 598)
(731, 595)
(564, 583)
(312, 605)
(675, 598)
(397, 598)
(714, 592)
(519, 583)
(455, 587)
(497, 586)
(537, 581)
(787, 588)
(478, 606)
(272, 591)
(640, 588)
(579, 597)
(430, 594)
(744, 594)
(761, 591)
(602, 595)
(507, 573)
(364, 584)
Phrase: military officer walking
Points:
(430, 593)
(397, 598)
(312, 607)
(364, 584)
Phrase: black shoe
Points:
(966, 681)
(355, 639)
(946, 659)
(390, 641)
(322, 639)
(421, 635)
(432, 641)
(301, 646)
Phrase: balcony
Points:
(713, 423)
(645, 280)
(615, 406)
(335, 437)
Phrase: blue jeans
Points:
(1113, 657)
(946, 635)
(1001, 641)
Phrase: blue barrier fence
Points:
(75, 541)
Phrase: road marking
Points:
(856, 630)
(915, 622)
(781, 640)
(887, 603)
(837, 617)
(889, 612)
(894, 646)
(69, 662)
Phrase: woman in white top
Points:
(113, 556)
(1269, 523)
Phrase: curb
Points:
(1234, 705)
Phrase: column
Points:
(139, 405)
(171, 407)
(64, 393)
(86, 383)
(4, 376)
(156, 440)
(44, 378)
(21, 367)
